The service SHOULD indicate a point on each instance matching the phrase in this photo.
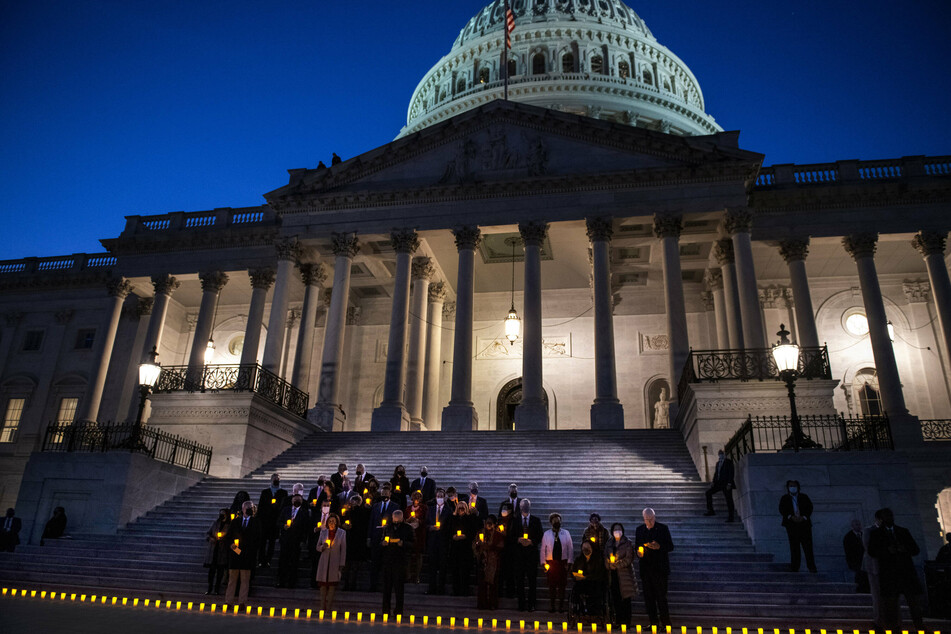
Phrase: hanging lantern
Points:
(513, 325)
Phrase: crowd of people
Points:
(408, 532)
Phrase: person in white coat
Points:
(333, 558)
(556, 554)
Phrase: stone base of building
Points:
(326, 417)
(390, 418)
(607, 416)
(460, 418)
(101, 492)
(531, 415)
(243, 429)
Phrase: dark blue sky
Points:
(117, 107)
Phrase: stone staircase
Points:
(716, 574)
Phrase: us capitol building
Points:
(595, 252)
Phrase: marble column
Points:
(737, 224)
(926, 380)
(905, 429)
(119, 289)
(164, 286)
(723, 252)
(287, 253)
(606, 411)
(328, 412)
(532, 413)
(391, 415)
(211, 284)
(667, 229)
(931, 245)
(713, 279)
(794, 251)
(460, 414)
(422, 272)
(261, 281)
(437, 299)
(313, 276)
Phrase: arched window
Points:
(461, 85)
(597, 65)
(867, 393)
(511, 68)
(666, 85)
(538, 64)
(623, 70)
(648, 78)
(568, 63)
(442, 95)
(483, 75)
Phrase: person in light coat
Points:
(556, 554)
(332, 546)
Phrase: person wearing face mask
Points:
(796, 510)
(333, 559)
(722, 481)
(653, 544)
(313, 498)
(512, 499)
(459, 561)
(239, 499)
(587, 596)
(507, 566)
(415, 515)
(528, 530)
(595, 534)
(216, 556)
(425, 485)
(556, 553)
(619, 561)
(487, 549)
(437, 540)
(361, 481)
(477, 505)
(357, 526)
(293, 523)
(854, 549)
(396, 545)
(318, 521)
(400, 486)
(381, 516)
(329, 495)
(894, 547)
(338, 478)
(243, 538)
(270, 504)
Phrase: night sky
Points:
(117, 107)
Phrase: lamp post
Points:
(149, 372)
(786, 355)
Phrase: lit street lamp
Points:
(149, 372)
(786, 355)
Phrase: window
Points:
(538, 64)
(856, 323)
(67, 410)
(483, 75)
(33, 340)
(512, 68)
(866, 392)
(461, 85)
(666, 85)
(597, 65)
(85, 338)
(568, 63)
(11, 419)
(624, 70)
(648, 78)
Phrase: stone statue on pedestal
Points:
(662, 411)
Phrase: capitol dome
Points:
(595, 58)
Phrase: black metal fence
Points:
(748, 365)
(234, 378)
(157, 444)
(937, 429)
(765, 434)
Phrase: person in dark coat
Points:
(437, 541)
(722, 481)
(944, 553)
(243, 538)
(269, 506)
(357, 526)
(239, 499)
(399, 487)
(360, 481)
(295, 527)
(596, 534)
(795, 508)
(10, 527)
(653, 544)
(507, 561)
(380, 517)
(854, 556)
(893, 547)
(477, 505)
(337, 478)
(460, 549)
(313, 496)
(529, 533)
(415, 516)
(425, 485)
(588, 573)
(397, 544)
(619, 562)
(216, 556)
(56, 526)
(488, 552)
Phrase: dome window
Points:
(666, 85)
(512, 68)
(648, 78)
(568, 63)
(461, 85)
(483, 75)
(597, 65)
(624, 70)
(538, 64)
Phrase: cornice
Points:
(850, 197)
(192, 240)
(54, 280)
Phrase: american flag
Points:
(509, 25)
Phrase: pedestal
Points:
(607, 416)
(390, 418)
(460, 418)
(326, 417)
(531, 415)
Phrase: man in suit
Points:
(854, 554)
(893, 547)
(512, 499)
(361, 482)
(437, 542)
(269, 507)
(722, 481)
(9, 532)
(477, 505)
(380, 517)
(294, 527)
(337, 478)
(397, 545)
(796, 510)
(244, 535)
(314, 495)
(425, 485)
(652, 543)
(529, 530)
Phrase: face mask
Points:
(275, 483)
(505, 513)
(221, 516)
(721, 456)
(296, 503)
(385, 496)
(359, 473)
(400, 472)
(440, 499)
(474, 491)
(423, 473)
(556, 526)
(513, 494)
(794, 490)
(247, 512)
(618, 535)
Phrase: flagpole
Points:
(505, 50)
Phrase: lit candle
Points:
(220, 535)
(384, 521)
(547, 567)
(640, 551)
(236, 542)
(328, 543)
(273, 500)
(313, 502)
(613, 559)
(524, 535)
(365, 491)
(580, 572)
(501, 528)
(318, 524)
(412, 513)
(459, 533)
(288, 523)
(232, 516)
(481, 537)
(437, 523)
(343, 511)
(397, 487)
(593, 539)
(387, 539)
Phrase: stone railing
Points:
(75, 262)
(853, 171)
(937, 429)
(198, 220)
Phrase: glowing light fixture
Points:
(513, 325)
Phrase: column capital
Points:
(917, 291)
(312, 273)
(344, 244)
(354, 314)
(438, 292)
(144, 306)
(600, 228)
(930, 242)
(449, 311)
(119, 287)
(423, 268)
(533, 233)
(723, 251)
(860, 245)
(165, 284)
(713, 279)
(287, 249)
(327, 296)
(213, 281)
(668, 226)
(706, 298)
(262, 278)
(794, 249)
(404, 240)
(467, 237)
(738, 220)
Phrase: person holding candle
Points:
(333, 558)
(425, 485)
(556, 553)
(216, 556)
(397, 543)
(653, 542)
(460, 549)
(477, 505)
(314, 496)
(243, 538)
(337, 478)
(269, 506)
(619, 561)
(357, 525)
(528, 529)
(507, 565)
(415, 516)
(488, 552)
(400, 486)
(294, 524)
(380, 516)
(437, 541)
(318, 519)
(588, 590)
(596, 534)
(239, 499)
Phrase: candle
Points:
(328, 543)
(524, 535)
(313, 502)
(593, 539)
(343, 511)
(387, 539)
(547, 567)
(288, 523)
(397, 487)
(365, 491)
(437, 523)
(501, 528)
(613, 559)
(273, 500)
(220, 535)
(384, 521)
(481, 537)
(318, 524)
(640, 551)
(232, 516)
(580, 572)
(236, 542)
(459, 533)
(412, 513)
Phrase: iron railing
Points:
(234, 378)
(748, 365)
(764, 434)
(157, 444)
(936, 429)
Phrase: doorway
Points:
(509, 398)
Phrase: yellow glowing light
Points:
(593, 539)
(248, 610)
(640, 553)
(387, 539)
(214, 606)
(260, 610)
(309, 612)
(614, 559)
(386, 618)
(190, 604)
(220, 534)
(201, 607)
(438, 621)
(318, 524)
(437, 523)
(232, 516)
(397, 487)
(283, 612)
(320, 615)
(524, 535)
(425, 620)
(360, 617)
(236, 542)
(501, 528)
(178, 605)
(452, 621)
(481, 537)
(288, 523)
(384, 521)
(328, 543)
(32, 593)
(458, 533)
(333, 615)
(412, 513)
(273, 500)
(547, 567)
(372, 617)
(399, 617)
